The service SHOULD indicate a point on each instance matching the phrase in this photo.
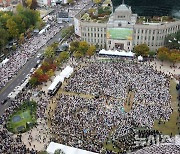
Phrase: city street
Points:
(22, 74)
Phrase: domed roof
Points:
(123, 7)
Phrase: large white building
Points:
(123, 29)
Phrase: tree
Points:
(59, 151)
(3, 38)
(21, 38)
(38, 72)
(34, 4)
(141, 50)
(174, 56)
(12, 28)
(63, 56)
(83, 47)
(33, 81)
(97, 1)
(91, 50)
(49, 52)
(43, 78)
(78, 54)
(152, 53)
(162, 53)
(74, 46)
(28, 3)
(50, 73)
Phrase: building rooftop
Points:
(154, 20)
(98, 14)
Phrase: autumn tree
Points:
(78, 54)
(83, 47)
(91, 50)
(141, 50)
(74, 46)
(162, 53)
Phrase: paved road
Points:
(18, 80)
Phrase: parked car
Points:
(3, 101)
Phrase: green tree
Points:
(74, 46)
(49, 52)
(91, 50)
(3, 38)
(152, 53)
(78, 54)
(12, 28)
(63, 56)
(83, 47)
(97, 1)
(141, 50)
(33, 81)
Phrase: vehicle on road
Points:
(4, 101)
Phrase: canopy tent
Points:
(140, 58)
(66, 149)
(60, 78)
(66, 72)
(116, 53)
(56, 81)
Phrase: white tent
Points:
(66, 149)
(66, 72)
(56, 81)
(140, 58)
(117, 53)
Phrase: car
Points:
(32, 70)
(39, 55)
(3, 101)
(38, 62)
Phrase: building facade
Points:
(122, 31)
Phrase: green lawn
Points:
(25, 114)
(170, 126)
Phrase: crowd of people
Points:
(14, 144)
(87, 123)
(23, 53)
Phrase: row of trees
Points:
(48, 67)
(163, 53)
(81, 49)
(15, 25)
(143, 50)
(171, 55)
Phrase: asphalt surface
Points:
(20, 77)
